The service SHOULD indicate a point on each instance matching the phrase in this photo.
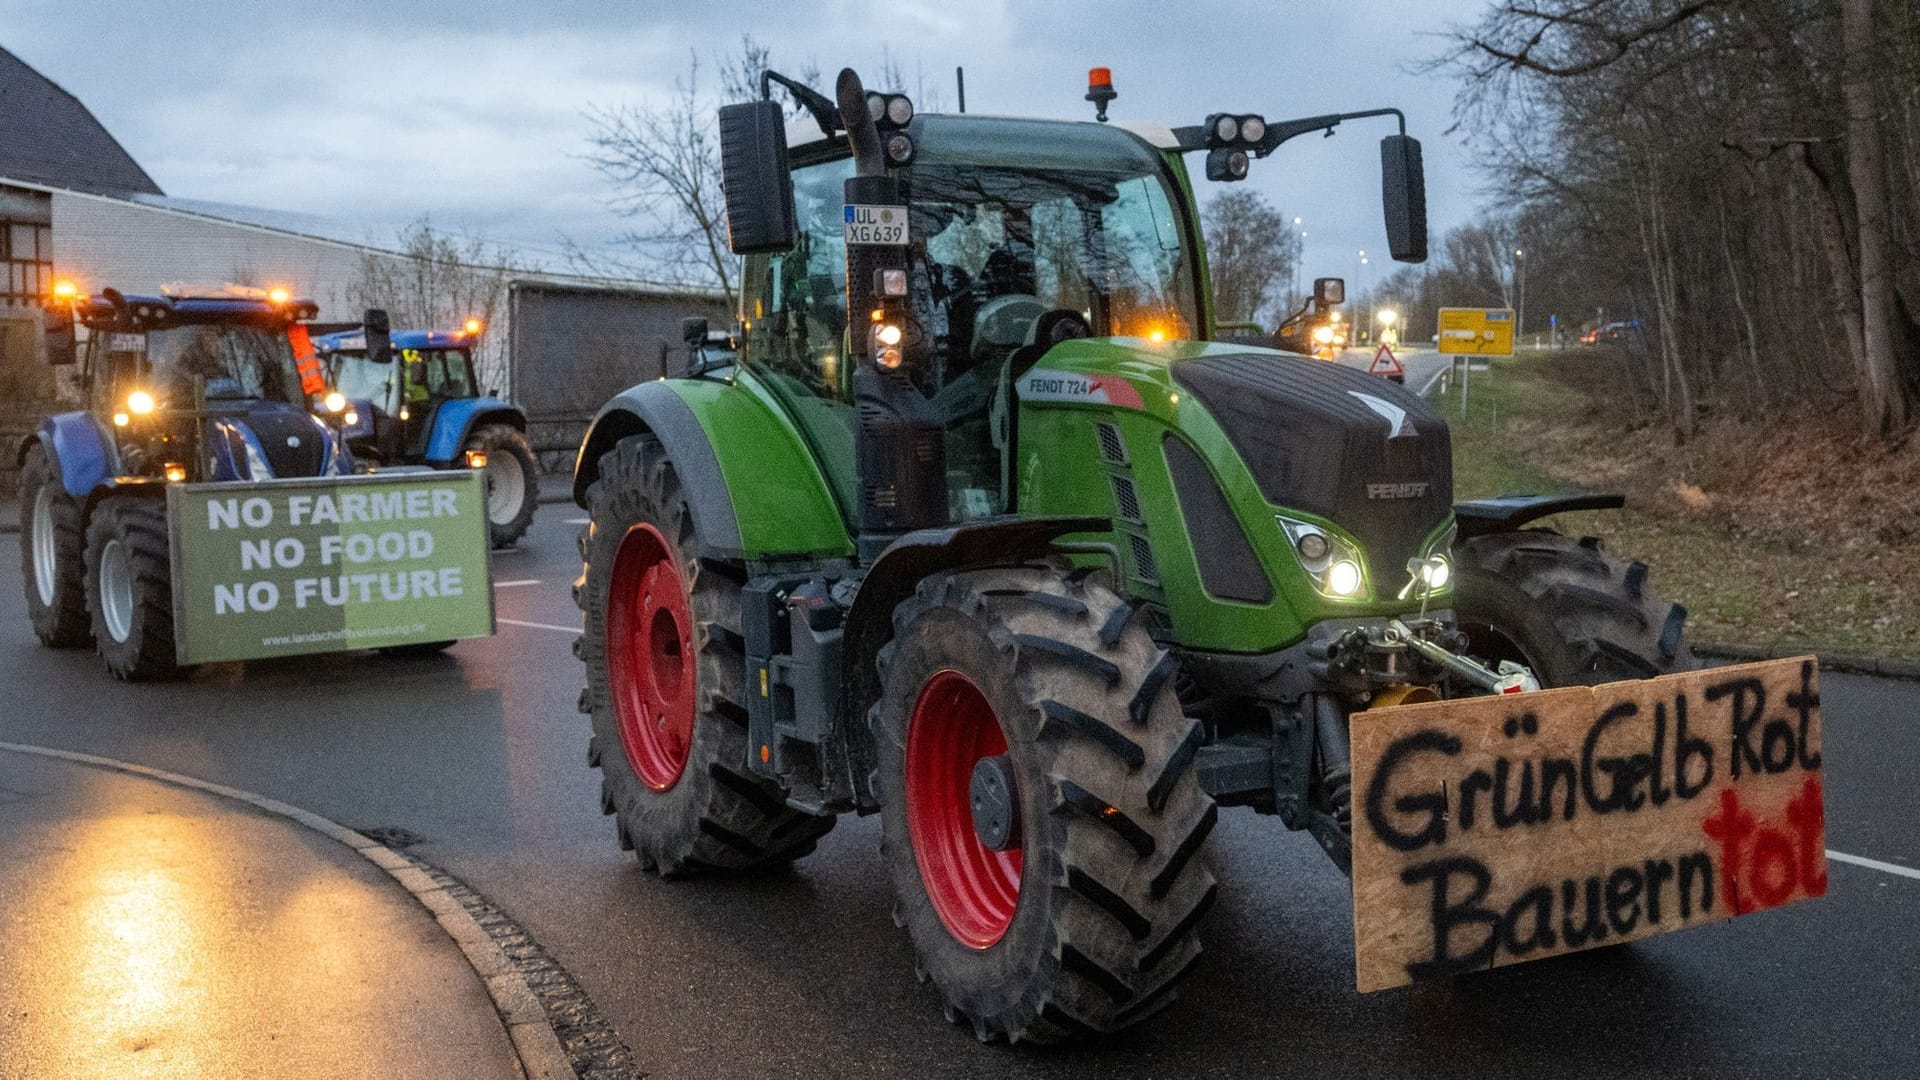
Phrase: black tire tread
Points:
(141, 524)
(62, 624)
(719, 816)
(1583, 617)
(509, 440)
(1113, 939)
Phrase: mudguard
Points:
(752, 484)
(1509, 512)
(80, 449)
(455, 420)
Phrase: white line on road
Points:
(539, 625)
(516, 584)
(1427, 390)
(1874, 864)
(578, 521)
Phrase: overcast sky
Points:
(378, 111)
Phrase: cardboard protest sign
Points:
(1494, 830)
(288, 567)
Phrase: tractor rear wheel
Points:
(1572, 614)
(130, 587)
(1041, 816)
(53, 558)
(513, 481)
(666, 681)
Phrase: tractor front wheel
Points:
(1572, 614)
(1040, 812)
(130, 587)
(666, 681)
(513, 481)
(52, 555)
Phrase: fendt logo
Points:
(1416, 489)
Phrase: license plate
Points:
(1493, 830)
(880, 225)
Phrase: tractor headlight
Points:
(1334, 564)
(1323, 335)
(1226, 128)
(335, 401)
(1431, 572)
(139, 403)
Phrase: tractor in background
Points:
(181, 388)
(982, 529)
(419, 403)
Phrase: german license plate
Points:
(880, 225)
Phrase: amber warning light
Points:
(1100, 91)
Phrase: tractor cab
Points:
(401, 393)
(418, 401)
(230, 369)
(1017, 234)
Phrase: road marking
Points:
(538, 625)
(516, 584)
(1427, 390)
(531, 1035)
(578, 521)
(1874, 864)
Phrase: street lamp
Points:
(1359, 287)
(1520, 314)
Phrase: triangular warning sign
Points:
(1385, 363)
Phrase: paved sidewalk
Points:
(147, 930)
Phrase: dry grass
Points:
(1793, 532)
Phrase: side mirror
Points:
(1403, 193)
(693, 330)
(62, 349)
(1329, 291)
(379, 333)
(753, 170)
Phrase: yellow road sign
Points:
(1466, 331)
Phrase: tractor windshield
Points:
(238, 362)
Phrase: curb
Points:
(1842, 662)
(537, 1051)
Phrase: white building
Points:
(75, 204)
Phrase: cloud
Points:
(473, 112)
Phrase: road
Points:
(482, 755)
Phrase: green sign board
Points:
(325, 565)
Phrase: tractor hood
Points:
(1335, 442)
(1318, 439)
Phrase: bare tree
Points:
(1742, 173)
(437, 281)
(663, 162)
(1251, 252)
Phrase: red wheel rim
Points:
(973, 888)
(650, 657)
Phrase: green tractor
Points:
(982, 531)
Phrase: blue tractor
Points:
(418, 402)
(180, 389)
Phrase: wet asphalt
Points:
(482, 754)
